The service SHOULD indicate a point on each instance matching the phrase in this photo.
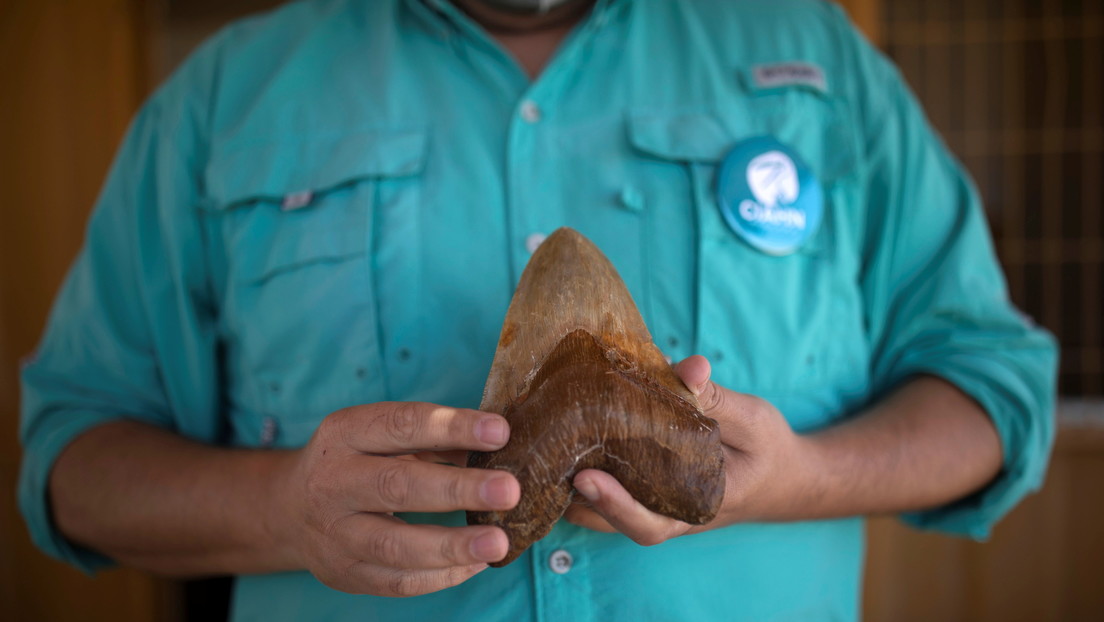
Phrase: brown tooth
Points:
(577, 376)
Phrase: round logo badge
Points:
(768, 196)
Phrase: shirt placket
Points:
(561, 585)
(558, 563)
(532, 211)
(527, 173)
(562, 579)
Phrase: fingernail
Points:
(497, 492)
(492, 430)
(587, 488)
(487, 547)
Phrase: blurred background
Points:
(1016, 88)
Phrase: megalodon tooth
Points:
(583, 386)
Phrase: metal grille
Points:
(1015, 88)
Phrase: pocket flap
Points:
(293, 202)
(243, 171)
(813, 124)
(683, 136)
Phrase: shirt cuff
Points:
(1022, 410)
(52, 434)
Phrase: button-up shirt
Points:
(331, 204)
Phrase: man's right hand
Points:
(334, 499)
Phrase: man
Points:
(299, 265)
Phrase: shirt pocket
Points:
(788, 328)
(301, 235)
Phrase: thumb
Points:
(694, 372)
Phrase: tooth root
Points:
(577, 376)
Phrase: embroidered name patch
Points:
(788, 74)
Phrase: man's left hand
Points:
(764, 468)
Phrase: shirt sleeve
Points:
(936, 300)
(131, 334)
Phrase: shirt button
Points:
(534, 241)
(530, 111)
(631, 199)
(560, 561)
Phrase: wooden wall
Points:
(867, 16)
(1045, 561)
(73, 72)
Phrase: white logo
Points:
(772, 178)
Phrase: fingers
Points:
(389, 428)
(366, 462)
(584, 516)
(402, 583)
(379, 484)
(368, 578)
(622, 512)
(457, 457)
(391, 543)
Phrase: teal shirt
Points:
(331, 204)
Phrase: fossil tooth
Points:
(577, 376)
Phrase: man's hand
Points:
(335, 499)
(762, 467)
(155, 500)
(924, 445)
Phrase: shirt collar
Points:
(441, 16)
